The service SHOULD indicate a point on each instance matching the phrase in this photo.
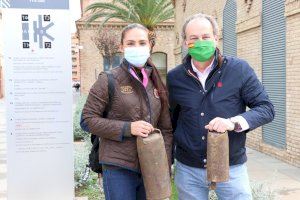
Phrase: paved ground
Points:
(279, 177)
(283, 179)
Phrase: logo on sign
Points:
(40, 28)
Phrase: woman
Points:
(139, 104)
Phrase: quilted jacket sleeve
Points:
(92, 114)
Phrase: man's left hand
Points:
(220, 125)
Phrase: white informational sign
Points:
(38, 88)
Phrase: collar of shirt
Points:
(202, 76)
(145, 78)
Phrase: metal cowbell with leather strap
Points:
(154, 166)
(217, 158)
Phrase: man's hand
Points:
(220, 125)
(141, 128)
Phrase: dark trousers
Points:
(122, 184)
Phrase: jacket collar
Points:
(148, 66)
(210, 83)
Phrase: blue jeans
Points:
(122, 184)
(192, 184)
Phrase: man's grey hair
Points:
(211, 19)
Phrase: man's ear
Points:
(216, 40)
(185, 48)
(185, 43)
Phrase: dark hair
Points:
(132, 26)
(155, 77)
(160, 86)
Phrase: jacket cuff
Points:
(126, 131)
(242, 122)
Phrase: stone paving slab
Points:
(283, 179)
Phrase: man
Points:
(209, 91)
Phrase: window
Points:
(160, 61)
(116, 61)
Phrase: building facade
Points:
(92, 62)
(266, 34)
(75, 58)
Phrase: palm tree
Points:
(146, 12)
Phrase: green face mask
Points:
(202, 50)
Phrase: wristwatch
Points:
(237, 126)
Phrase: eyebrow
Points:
(203, 35)
(134, 40)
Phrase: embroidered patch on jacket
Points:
(155, 92)
(126, 89)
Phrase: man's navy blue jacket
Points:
(230, 87)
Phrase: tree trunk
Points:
(111, 60)
(152, 38)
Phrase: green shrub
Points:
(85, 185)
(261, 191)
(82, 150)
(93, 193)
(79, 134)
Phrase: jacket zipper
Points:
(195, 78)
(148, 102)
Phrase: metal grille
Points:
(274, 68)
(229, 28)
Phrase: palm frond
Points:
(111, 8)
(169, 14)
(146, 12)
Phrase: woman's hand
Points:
(141, 128)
